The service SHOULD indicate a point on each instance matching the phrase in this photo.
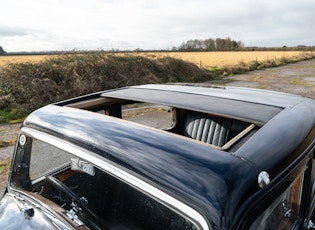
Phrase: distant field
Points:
(218, 59)
(21, 58)
(203, 59)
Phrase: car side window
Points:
(283, 212)
(121, 206)
(116, 204)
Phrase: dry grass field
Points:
(219, 59)
(202, 59)
(4, 60)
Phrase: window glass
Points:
(92, 197)
(283, 212)
(45, 158)
(153, 115)
(121, 206)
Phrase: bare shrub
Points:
(25, 87)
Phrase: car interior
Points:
(219, 131)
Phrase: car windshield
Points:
(86, 195)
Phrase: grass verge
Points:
(4, 166)
(245, 67)
(5, 143)
(25, 87)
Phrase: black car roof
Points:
(211, 179)
(219, 101)
(252, 105)
(272, 98)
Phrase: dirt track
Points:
(298, 78)
(8, 133)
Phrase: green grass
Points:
(263, 83)
(257, 78)
(4, 166)
(5, 143)
(12, 116)
(297, 81)
(242, 67)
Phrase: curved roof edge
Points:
(260, 96)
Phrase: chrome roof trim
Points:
(162, 197)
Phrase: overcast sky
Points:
(41, 25)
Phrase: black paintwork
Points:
(180, 165)
(19, 213)
(243, 110)
(212, 181)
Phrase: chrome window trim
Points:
(162, 197)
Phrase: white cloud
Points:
(36, 25)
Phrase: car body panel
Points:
(17, 213)
(220, 184)
(128, 144)
(202, 103)
(265, 97)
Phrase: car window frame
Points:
(131, 179)
(271, 192)
(272, 208)
(310, 213)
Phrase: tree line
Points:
(210, 44)
(2, 50)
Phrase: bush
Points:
(25, 87)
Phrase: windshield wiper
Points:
(27, 206)
(23, 206)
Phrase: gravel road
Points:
(297, 78)
(8, 133)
